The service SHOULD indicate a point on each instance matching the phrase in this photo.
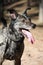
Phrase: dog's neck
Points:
(15, 36)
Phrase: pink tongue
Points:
(29, 36)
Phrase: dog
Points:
(13, 39)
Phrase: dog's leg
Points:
(17, 62)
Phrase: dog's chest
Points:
(16, 36)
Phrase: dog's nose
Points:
(33, 25)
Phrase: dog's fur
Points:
(12, 42)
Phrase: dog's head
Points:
(21, 21)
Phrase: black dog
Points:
(13, 39)
(15, 42)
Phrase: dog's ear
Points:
(25, 12)
(13, 13)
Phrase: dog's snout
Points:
(33, 25)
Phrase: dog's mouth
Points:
(23, 29)
(27, 34)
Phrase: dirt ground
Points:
(33, 53)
